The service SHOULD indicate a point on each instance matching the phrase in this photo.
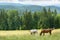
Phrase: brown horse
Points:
(46, 31)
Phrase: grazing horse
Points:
(33, 31)
(46, 31)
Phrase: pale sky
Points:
(33, 2)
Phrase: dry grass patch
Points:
(22, 32)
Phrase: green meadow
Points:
(25, 35)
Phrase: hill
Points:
(23, 7)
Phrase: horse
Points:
(33, 31)
(46, 31)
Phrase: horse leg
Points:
(43, 34)
(40, 33)
(31, 33)
(50, 32)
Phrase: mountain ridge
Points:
(23, 7)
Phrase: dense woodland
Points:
(12, 20)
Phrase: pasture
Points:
(25, 35)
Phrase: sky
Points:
(33, 2)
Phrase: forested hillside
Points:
(12, 20)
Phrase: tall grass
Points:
(55, 36)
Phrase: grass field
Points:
(25, 35)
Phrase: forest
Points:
(12, 20)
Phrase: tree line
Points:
(12, 20)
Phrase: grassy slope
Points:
(25, 35)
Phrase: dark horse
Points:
(46, 31)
